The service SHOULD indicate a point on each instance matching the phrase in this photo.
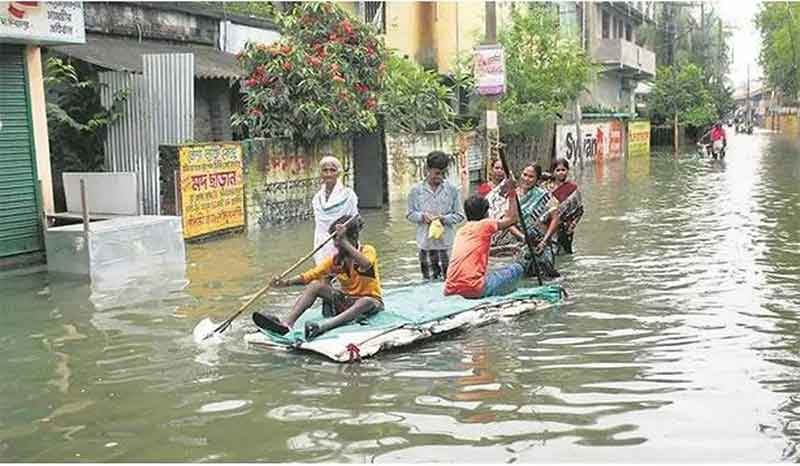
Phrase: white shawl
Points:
(342, 201)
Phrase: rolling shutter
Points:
(20, 230)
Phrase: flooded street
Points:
(679, 342)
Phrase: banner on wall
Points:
(595, 142)
(42, 22)
(489, 67)
(212, 195)
(638, 139)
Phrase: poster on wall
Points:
(212, 196)
(638, 139)
(490, 70)
(616, 149)
(45, 22)
(594, 142)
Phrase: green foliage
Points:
(780, 45)
(321, 79)
(414, 99)
(76, 120)
(681, 90)
(544, 71)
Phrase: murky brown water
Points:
(680, 343)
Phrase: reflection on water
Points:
(680, 342)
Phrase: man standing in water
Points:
(434, 205)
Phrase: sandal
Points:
(270, 323)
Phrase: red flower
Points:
(287, 66)
(286, 50)
(371, 103)
(250, 83)
(315, 62)
(338, 78)
(346, 27)
(362, 88)
(255, 111)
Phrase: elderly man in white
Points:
(331, 202)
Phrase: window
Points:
(628, 32)
(375, 13)
(606, 25)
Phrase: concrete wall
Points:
(607, 91)
(406, 156)
(33, 59)
(212, 110)
(234, 36)
(131, 19)
(282, 178)
(403, 26)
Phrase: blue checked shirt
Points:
(445, 201)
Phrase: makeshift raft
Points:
(410, 314)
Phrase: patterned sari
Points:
(537, 205)
(503, 242)
(570, 206)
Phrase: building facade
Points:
(25, 182)
(610, 33)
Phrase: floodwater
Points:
(679, 342)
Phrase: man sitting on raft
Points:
(356, 268)
(467, 274)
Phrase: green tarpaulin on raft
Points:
(412, 306)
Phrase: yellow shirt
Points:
(354, 282)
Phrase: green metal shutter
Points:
(20, 230)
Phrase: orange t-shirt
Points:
(466, 274)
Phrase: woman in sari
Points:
(570, 204)
(331, 202)
(540, 212)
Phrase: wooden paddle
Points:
(528, 239)
(227, 323)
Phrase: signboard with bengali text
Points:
(489, 67)
(42, 22)
(638, 138)
(211, 191)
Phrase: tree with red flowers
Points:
(321, 79)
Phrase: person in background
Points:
(434, 205)
(505, 240)
(331, 202)
(719, 141)
(356, 268)
(570, 204)
(496, 177)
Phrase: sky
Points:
(739, 16)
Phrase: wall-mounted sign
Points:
(212, 194)
(638, 138)
(489, 66)
(42, 22)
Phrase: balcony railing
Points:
(628, 56)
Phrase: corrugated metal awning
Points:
(125, 54)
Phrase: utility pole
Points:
(492, 129)
(748, 127)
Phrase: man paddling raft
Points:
(355, 266)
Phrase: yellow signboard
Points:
(212, 195)
(638, 139)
